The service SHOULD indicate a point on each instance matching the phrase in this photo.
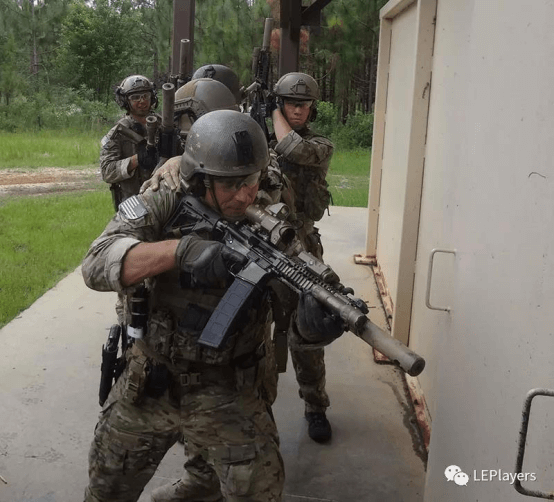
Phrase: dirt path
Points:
(17, 182)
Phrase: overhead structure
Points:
(183, 28)
(293, 16)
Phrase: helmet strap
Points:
(209, 184)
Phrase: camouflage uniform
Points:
(304, 157)
(218, 399)
(115, 157)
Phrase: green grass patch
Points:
(41, 240)
(348, 177)
(49, 149)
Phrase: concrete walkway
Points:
(49, 373)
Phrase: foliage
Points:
(33, 262)
(344, 54)
(355, 133)
(86, 47)
(97, 44)
(227, 31)
(58, 108)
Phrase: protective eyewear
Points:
(139, 97)
(235, 183)
(298, 104)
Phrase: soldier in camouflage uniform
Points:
(304, 157)
(194, 99)
(171, 385)
(124, 163)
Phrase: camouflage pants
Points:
(228, 427)
(309, 365)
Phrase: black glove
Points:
(270, 104)
(315, 323)
(208, 262)
(148, 158)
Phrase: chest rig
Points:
(189, 307)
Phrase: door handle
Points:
(430, 278)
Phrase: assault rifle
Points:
(258, 91)
(185, 67)
(168, 134)
(272, 250)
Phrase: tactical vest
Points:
(179, 312)
(127, 148)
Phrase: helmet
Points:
(132, 85)
(297, 86)
(199, 97)
(224, 143)
(222, 74)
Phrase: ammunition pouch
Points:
(136, 375)
(157, 381)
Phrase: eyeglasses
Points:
(235, 183)
(139, 97)
(298, 104)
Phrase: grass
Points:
(348, 178)
(44, 238)
(48, 149)
(41, 240)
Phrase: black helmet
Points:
(222, 74)
(132, 85)
(224, 143)
(198, 97)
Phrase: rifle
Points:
(258, 91)
(168, 136)
(272, 251)
(185, 66)
(111, 366)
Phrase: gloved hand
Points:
(147, 158)
(315, 323)
(270, 104)
(208, 262)
(168, 172)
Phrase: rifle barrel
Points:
(151, 129)
(268, 28)
(394, 349)
(168, 106)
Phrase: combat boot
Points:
(319, 428)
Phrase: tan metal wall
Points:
(403, 82)
(488, 193)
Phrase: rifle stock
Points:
(272, 253)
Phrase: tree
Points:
(227, 31)
(100, 45)
(9, 76)
(344, 55)
(35, 25)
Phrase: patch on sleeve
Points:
(133, 208)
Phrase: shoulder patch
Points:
(133, 208)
